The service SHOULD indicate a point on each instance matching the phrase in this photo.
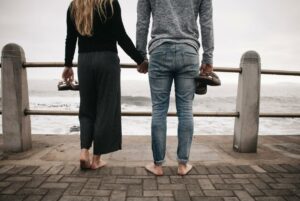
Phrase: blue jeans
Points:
(168, 62)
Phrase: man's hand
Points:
(143, 67)
(206, 68)
(68, 75)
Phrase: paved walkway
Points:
(229, 183)
(50, 172)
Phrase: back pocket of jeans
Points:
(190, 59)
(157, 64)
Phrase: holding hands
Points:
(143, 67)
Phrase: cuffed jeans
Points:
(168, 62)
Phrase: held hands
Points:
(143, 67)
(206, 68)
(68, 75)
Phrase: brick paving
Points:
(280, 182)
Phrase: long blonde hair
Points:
(83, 14)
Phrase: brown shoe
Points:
(201, 88)
(209, 78)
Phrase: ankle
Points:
(96, 158)
(182, 165)
(84, 153)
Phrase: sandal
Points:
(209, 78)
(74, 86)
(63, 85)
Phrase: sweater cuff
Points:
(140, 60)
(68, 64)
(207, 60)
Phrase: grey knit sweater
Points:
(175, 21)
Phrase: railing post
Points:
(16, 125)
(248, 99)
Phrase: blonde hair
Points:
(83, 14)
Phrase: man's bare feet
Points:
(97, 162)
(85, 159)
(155, 169)
(184, 169)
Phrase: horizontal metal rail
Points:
(130, 114)
(280, 115)
(171, 114)
(126, 66)
(280, 72)
(132, 66)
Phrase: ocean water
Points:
(275, 97)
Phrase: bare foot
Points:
(184, 169)
(85, 159)
(155, 169)
(97, 162)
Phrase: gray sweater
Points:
(175, 21)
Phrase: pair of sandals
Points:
(63, 85)
(203, 80)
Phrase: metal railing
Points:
(139, 114)
(247, 111)
(131, 66)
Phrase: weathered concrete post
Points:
(16, 126)
(248, 99)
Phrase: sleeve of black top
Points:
(71, 40)
(123, 39)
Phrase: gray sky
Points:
(271, 27)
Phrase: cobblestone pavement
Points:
(204, 183)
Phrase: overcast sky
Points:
(271, 27)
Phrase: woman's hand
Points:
(143, 67)
(68, 75)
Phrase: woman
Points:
(97, 24)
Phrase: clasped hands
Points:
(143, 67)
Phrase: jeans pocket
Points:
(191, 65)
(157, 63)
(190, 59)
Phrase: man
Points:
(174, 56)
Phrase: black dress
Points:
(99, 78)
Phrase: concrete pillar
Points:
(16, 126)
(248, 99)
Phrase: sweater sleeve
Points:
(123, 39)
(71, 40)
(207, 31)
(142, 26)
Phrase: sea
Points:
(281, 97)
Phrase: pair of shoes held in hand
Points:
(205, 79)
(63, 85)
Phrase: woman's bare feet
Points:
(85, 159)
(155, 169)
(97, 162)
(184, 169)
